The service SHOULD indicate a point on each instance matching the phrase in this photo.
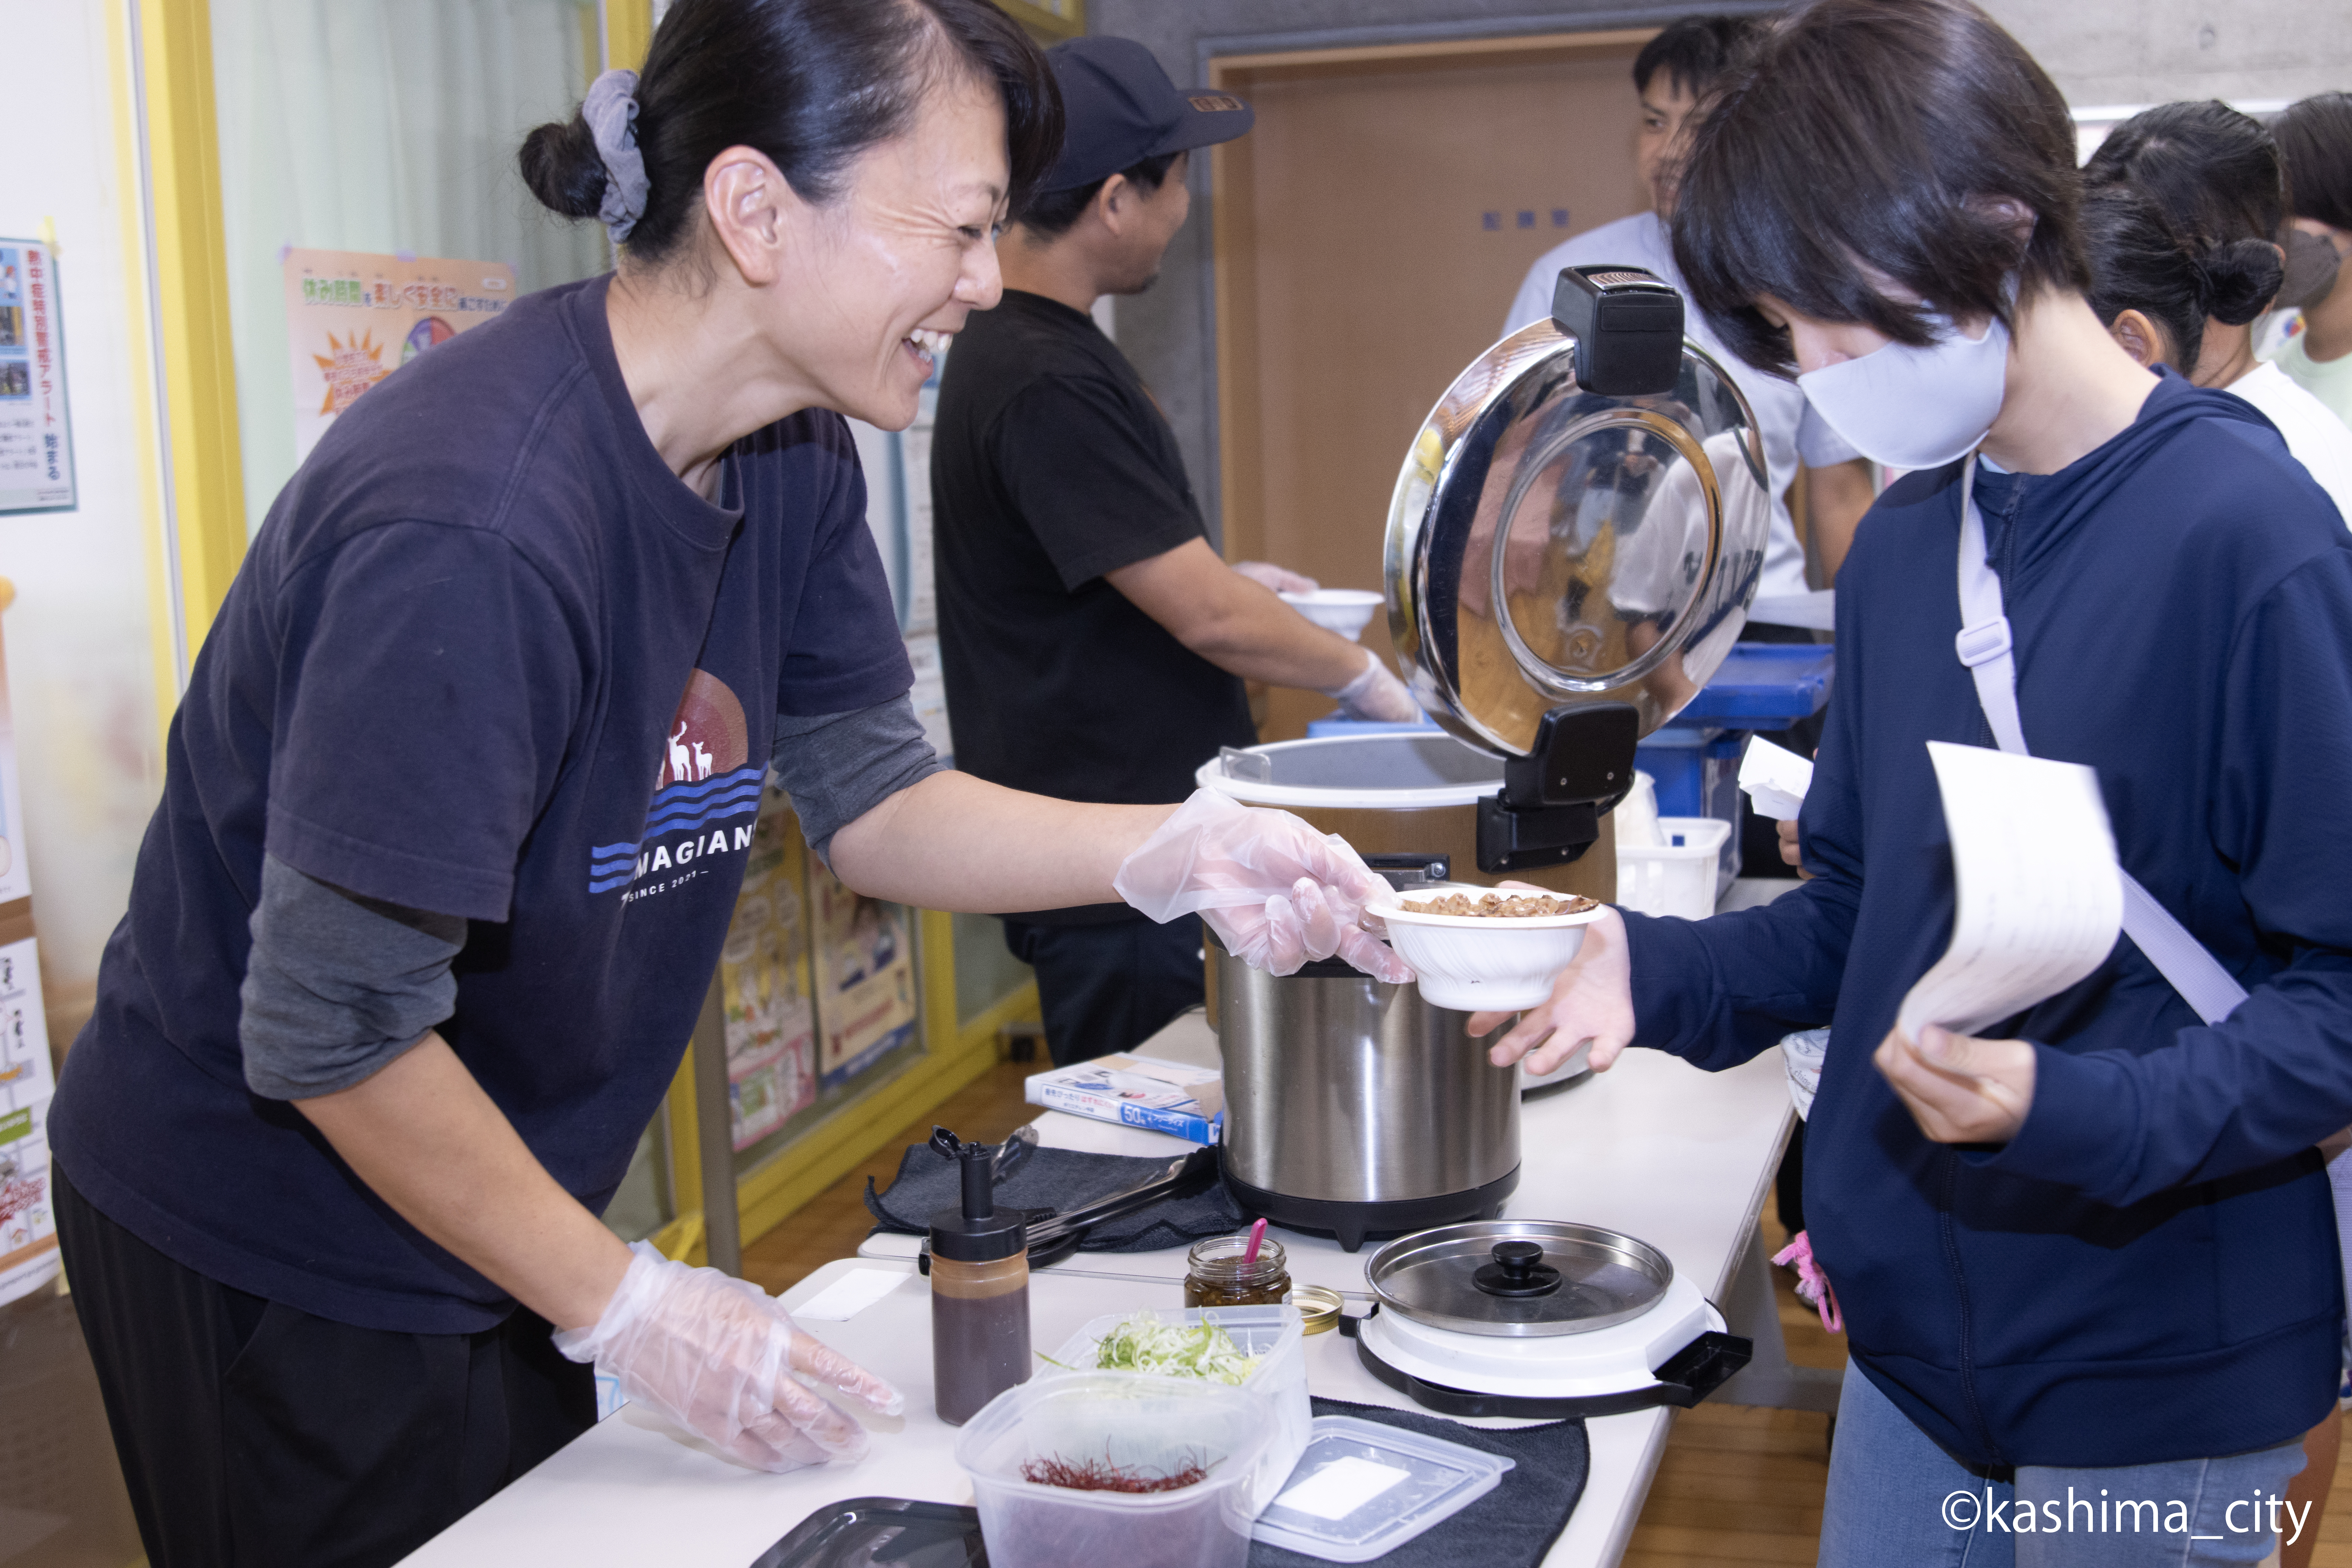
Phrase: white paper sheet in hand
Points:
(1775, 778)
(2040, 898)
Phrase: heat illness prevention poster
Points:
(353, 318)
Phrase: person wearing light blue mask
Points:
(2088, 1258)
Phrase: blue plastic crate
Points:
(1765, 686)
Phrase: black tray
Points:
(882, 1529)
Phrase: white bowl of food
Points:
(1347, 611)
(1480, 950)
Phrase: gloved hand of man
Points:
(1277, 892)
(718, 1356)
(1376, 694)
(1280, 579)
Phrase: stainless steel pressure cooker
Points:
(1571, 549)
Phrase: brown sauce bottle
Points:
(980, 1294)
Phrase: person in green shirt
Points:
(2315, 139)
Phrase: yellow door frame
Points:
(1048, 21)
(165, 51)
(628, 32)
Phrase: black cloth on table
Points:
(1060, 1180)
(1512, 1526)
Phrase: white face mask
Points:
(1915, 408)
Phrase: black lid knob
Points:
(1518, 1269)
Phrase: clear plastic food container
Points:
(1142, 1423)
(1273, 1334)
(1365, 1488)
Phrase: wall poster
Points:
(353, 318)
(764, 982)
(29, 1220)
(14, 882)
(37, 472)
(865, 976)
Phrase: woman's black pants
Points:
(252, 1433)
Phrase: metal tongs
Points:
(1052, 1237)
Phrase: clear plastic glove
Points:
(718, 1357)
(1376, 694)
(1276, 892)
(1281, 579)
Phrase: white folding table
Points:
(1653, 1148)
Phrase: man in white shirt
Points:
(1673, 71)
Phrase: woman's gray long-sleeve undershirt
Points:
(338, 984)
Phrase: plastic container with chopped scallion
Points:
(1146, 1342)
(1257, 1349)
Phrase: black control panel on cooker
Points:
(1628, 327)
(1548, 810)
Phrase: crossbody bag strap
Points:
(1984, 646)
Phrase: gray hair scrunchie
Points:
(611, 111)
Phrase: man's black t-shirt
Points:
(1050, 466)
(489, 657)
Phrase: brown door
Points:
(1370, 233)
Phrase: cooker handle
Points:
(1701, 1367)
(1689, 1375)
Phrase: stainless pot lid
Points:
(1548, 544)
(1519, 1278)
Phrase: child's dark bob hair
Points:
(1869, 142)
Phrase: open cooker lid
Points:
(1548, 544)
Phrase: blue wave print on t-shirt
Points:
(676, 808)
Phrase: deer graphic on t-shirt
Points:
(681, 767)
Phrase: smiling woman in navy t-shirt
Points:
(459, 800)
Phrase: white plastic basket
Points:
(1274, 1334)
(1678, 876)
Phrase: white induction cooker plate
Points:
(1612, 1360)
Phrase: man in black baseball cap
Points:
(1093, 640)
(1120, 109)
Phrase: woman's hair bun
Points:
(563, 169)
(2241, 278)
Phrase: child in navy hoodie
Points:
(2088, 1262)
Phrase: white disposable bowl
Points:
(1347, 611)
(1474, 964)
